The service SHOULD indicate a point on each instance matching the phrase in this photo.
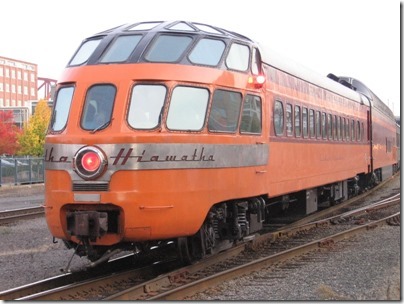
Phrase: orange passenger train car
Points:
(188, 134)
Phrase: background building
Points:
(18, 82)
(19, 87)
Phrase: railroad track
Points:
(10, 216)
(269, 249)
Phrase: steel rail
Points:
(18, 214)
(202, 284)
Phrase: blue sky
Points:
(358, 38)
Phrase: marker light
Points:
(89, 162)
(257, 81)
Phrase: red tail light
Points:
(89, 162)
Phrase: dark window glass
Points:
(311, 123)
(278, 117)
(168, 48)
(297, 122)
(225, 111)
(289, 121)
(305, 122)
(251, 117)
(121, 48)
(330, 126)
(318, 124)
(353, 131)
(324, 125)
(98, 107)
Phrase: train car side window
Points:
(305, 122)
(298, 130)
(85, 51)
(334, 131)
(311, 123)
(359, 133)
(225, 111)
(256, 62)
(324, 125)
(251, 115)
(238, 57)
(289, 120)
(278, 118)
(338, 127)
(207, 52)
(348, 135)
(146, 106)
(318, 124)
(168, 48)
(187, 108)
(98, 107)
(121, 48)
(353, 131)
(330, 126)
(61, 108)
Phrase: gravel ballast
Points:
(367, 268)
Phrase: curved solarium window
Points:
(207, 52)
(187, 108)
(182, 26)
(121, 48)
(61, 108)
(143, 26)
(206, 28)
(146, 105)
(238, 57)
(168, 48)
(85, 51)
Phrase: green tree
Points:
(8, 133)
(32, 139)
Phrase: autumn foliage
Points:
(8, 133)
(31, 141)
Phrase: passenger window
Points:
(305, 122)
(330, 127)
(324, 125)
(251, 117)
(85, 51)
(98, 107)
(207, 52)
(318, 125)
(353, 131)
(168, 48)
(338, 127)
(278, 118)
(121, 48)
(334, 132)
(348, 135)
(289, 121)
(238, 57)
(298, 130)
(311, 123)
(225, 111)
(359, 134)
(61, 108)
(146, 106)
(187, 108)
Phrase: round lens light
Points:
(91, 161)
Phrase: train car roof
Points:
(273, 58)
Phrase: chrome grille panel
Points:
(91, 186)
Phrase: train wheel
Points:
(183, 250)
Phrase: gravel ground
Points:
(367, 269)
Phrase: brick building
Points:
(18, 88)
